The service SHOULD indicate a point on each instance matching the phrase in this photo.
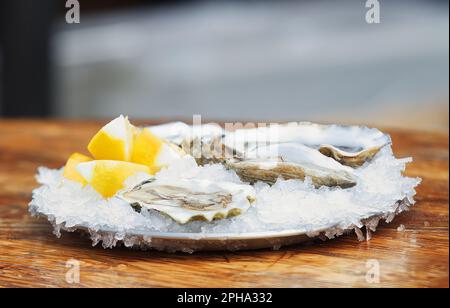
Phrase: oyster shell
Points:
(324, 153)
(191, 199)
(292, 161)
(179, 132)
(349, 145)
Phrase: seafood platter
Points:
(178, 187)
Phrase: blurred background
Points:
(228, 60)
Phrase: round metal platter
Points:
(191, 242)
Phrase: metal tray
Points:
(191, 242)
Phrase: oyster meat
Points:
(191, 199)
(291, 161)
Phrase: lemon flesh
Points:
(119, 140)
(70, 172)
(108, 176)
(113, 141)
(151, 151)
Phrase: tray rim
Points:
(190, 242)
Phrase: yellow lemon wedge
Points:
(113, 141)
(153, 152)
(70, 172)
(108, 176)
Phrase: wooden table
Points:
(31, 256)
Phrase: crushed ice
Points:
(287, 205)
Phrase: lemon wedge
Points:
(70, 171)
(113, 141)
(153, 152)
(108, 176)
(119, 140)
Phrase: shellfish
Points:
(349, 145)
(191, 199)
(292, 161)
(325, 153)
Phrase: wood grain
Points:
(30, 256)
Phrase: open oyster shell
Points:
(292, 161)
(189, 199)
(324, 153)
(349, 145)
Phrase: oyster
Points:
(190, 199)
(324, 153)
(349, 145)
(291, 161)
(179, 132)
